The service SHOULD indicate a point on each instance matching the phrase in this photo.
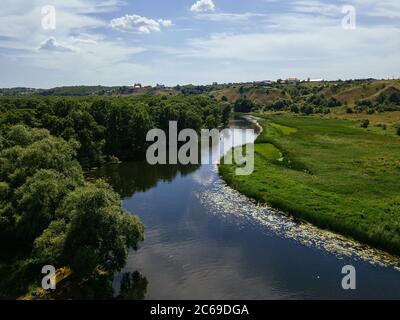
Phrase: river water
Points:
(206, 241)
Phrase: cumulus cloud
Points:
(203, 6)
(85, 54)
(51, 44)
(138, 24)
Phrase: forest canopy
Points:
(49, 213)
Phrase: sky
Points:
(48, 43)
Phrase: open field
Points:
(330, 172)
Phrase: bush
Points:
(294, 109)
(307, 110)
(244, 105)
(398, 131)
(349, 110)
(364, 123)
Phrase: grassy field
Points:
(330, 172)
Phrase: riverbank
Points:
(329, 172)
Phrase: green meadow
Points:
(329, 172)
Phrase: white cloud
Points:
(292, 37)
(83, 39)
(51, 44)
(165, 23)
(229, 17)
(294, 44)
(203, 6)
(373, 8)
(21, 21)
(382, 8)
(316, 7)
(76, 52)
(138, 24)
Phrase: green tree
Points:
(20, 135)
(38, 199)
(49, 246)
(307, 109)
(99, 232)
(226, 113)
(140, 123)
(364, 124)
(394, 98)
(50, 153)
(294, 109)
(244, 105)
(82, 127)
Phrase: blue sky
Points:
(118, 42)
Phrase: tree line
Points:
(49, 214)
(106, 128)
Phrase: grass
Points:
(385, 123)
(333, 173)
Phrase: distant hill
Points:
(18, 91)
(76, 91)
(69, 91)
(346, 92)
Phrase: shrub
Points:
(364, 123)
(244, 105)
(294, 109)
(307, 110)
(349, 110)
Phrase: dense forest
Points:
(106, 128)
(49, 213)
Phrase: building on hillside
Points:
(137, 86)
(316, 80)
(264, 83)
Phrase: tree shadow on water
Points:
(133, 286)
(99, 287)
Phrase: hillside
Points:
(346, 92)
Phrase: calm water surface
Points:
(206, 241)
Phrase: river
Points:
(206, 241)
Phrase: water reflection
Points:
(131, 177)
(205, 241)
(100, 287)
(133, 286)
